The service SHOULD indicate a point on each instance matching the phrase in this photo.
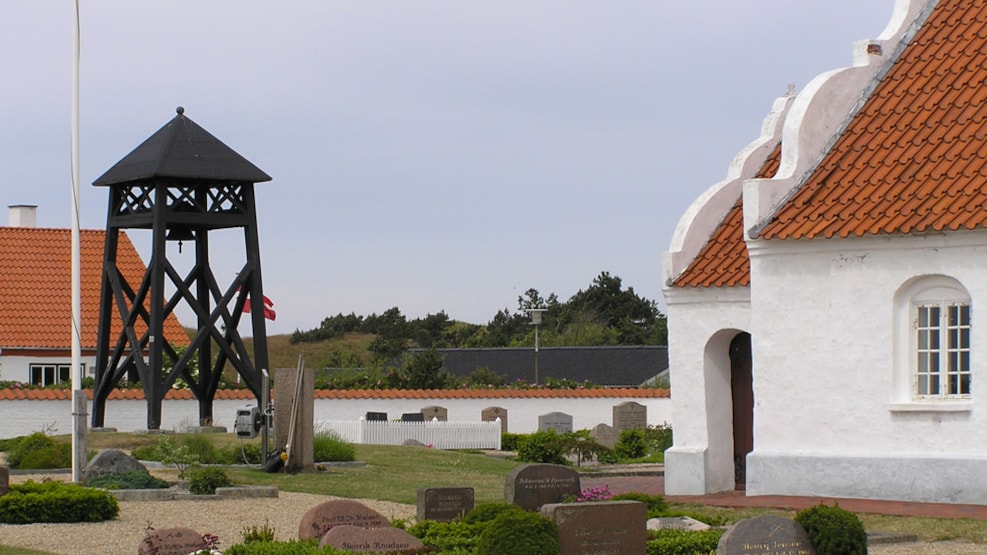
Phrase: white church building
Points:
(821, 298)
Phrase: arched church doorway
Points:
(742, 393)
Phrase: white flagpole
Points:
(79, 402)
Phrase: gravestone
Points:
(112, 461)
(436, 413)
(4, 479)
(604, 435)
(629, 415)
(412, 417)
(171, 541)
(323, 517)
(591, 528)
(558, 421)
(530, 486)
(372, 540)
(766, 535)
(444, 504)
(677, 523)
(376, 416)
(491, 414)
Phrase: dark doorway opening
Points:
(742, 393)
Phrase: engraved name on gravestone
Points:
(491, 414)
(558, 421)
(766, 535)
(436, 413)
(171, 541)
(629, 415)
(530, 486)
(323, 517)
(373, 540)
(600, 527)
(444, 504)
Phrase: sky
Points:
(429, 155)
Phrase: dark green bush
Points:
(508, 441)
(487, 512)
(146, 453)
(659, 438)
(546, 446)
(656, 504)
(682, 542)
(631, 444)
(58, 455)
(293, 547)
(38, 441)
(204, 481)
(128, 480)
(329, 446)
(833, 531)
(448, 537)
(202, 447)
(263, 533)
(519, 534)
(56, 502)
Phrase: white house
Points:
(36, 297)
(820, 298)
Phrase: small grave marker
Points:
(595, 527)
(370, 540)
(605, 435)
(558, 421)
(412, 417)
(323, 517)
(436, 413)
(376, 416)
(171, 541)
(491, 414)
(766, 535)
(530, 486)
(444, 504)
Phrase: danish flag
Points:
(269, 312)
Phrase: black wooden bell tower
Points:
(181, 183)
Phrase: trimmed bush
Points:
(32, 502)
(58, 455)
(631, 444)
(508, 441)
(38, 441)
(487, 512)
(682, 542)
(833, 531)
(128, 480)
(519, 534)
(546, 446)
(204, 481)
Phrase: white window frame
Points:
(51, 373)
(933, 369)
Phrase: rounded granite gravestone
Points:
(370, 540)
(766, 535)
(323, 517)
(112, 461)
(171, 541)
(530, 486)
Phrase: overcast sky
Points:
(429, 155)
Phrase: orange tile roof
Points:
(344, 394)
(913, 158)
(35, 277)
(723, 261)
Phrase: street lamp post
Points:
(536, 314)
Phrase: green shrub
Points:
(263, 533)
(682, 542)
(631, 444)
(655, 503)
(327, 445)
(128, 480)
(56, 502)
(659, 438)
(58, 455)
(546, 446)
(146, 453)
(38, 441)
(519, 534)
(204, 481)
(245, 453)
(508, 441)
(293, 547)
(488, 512)
(833, 531)
(448, 537)
(202, 448)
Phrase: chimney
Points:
(23, 215)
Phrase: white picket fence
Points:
(436, 433)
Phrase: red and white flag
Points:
(268, 308)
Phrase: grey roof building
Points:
(618, 366)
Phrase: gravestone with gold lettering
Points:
(766, 535)
(530, 486)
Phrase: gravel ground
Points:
(227, 518)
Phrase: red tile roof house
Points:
(820, 297)
(36, 304)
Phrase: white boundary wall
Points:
(20, 417)
(439, 434)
